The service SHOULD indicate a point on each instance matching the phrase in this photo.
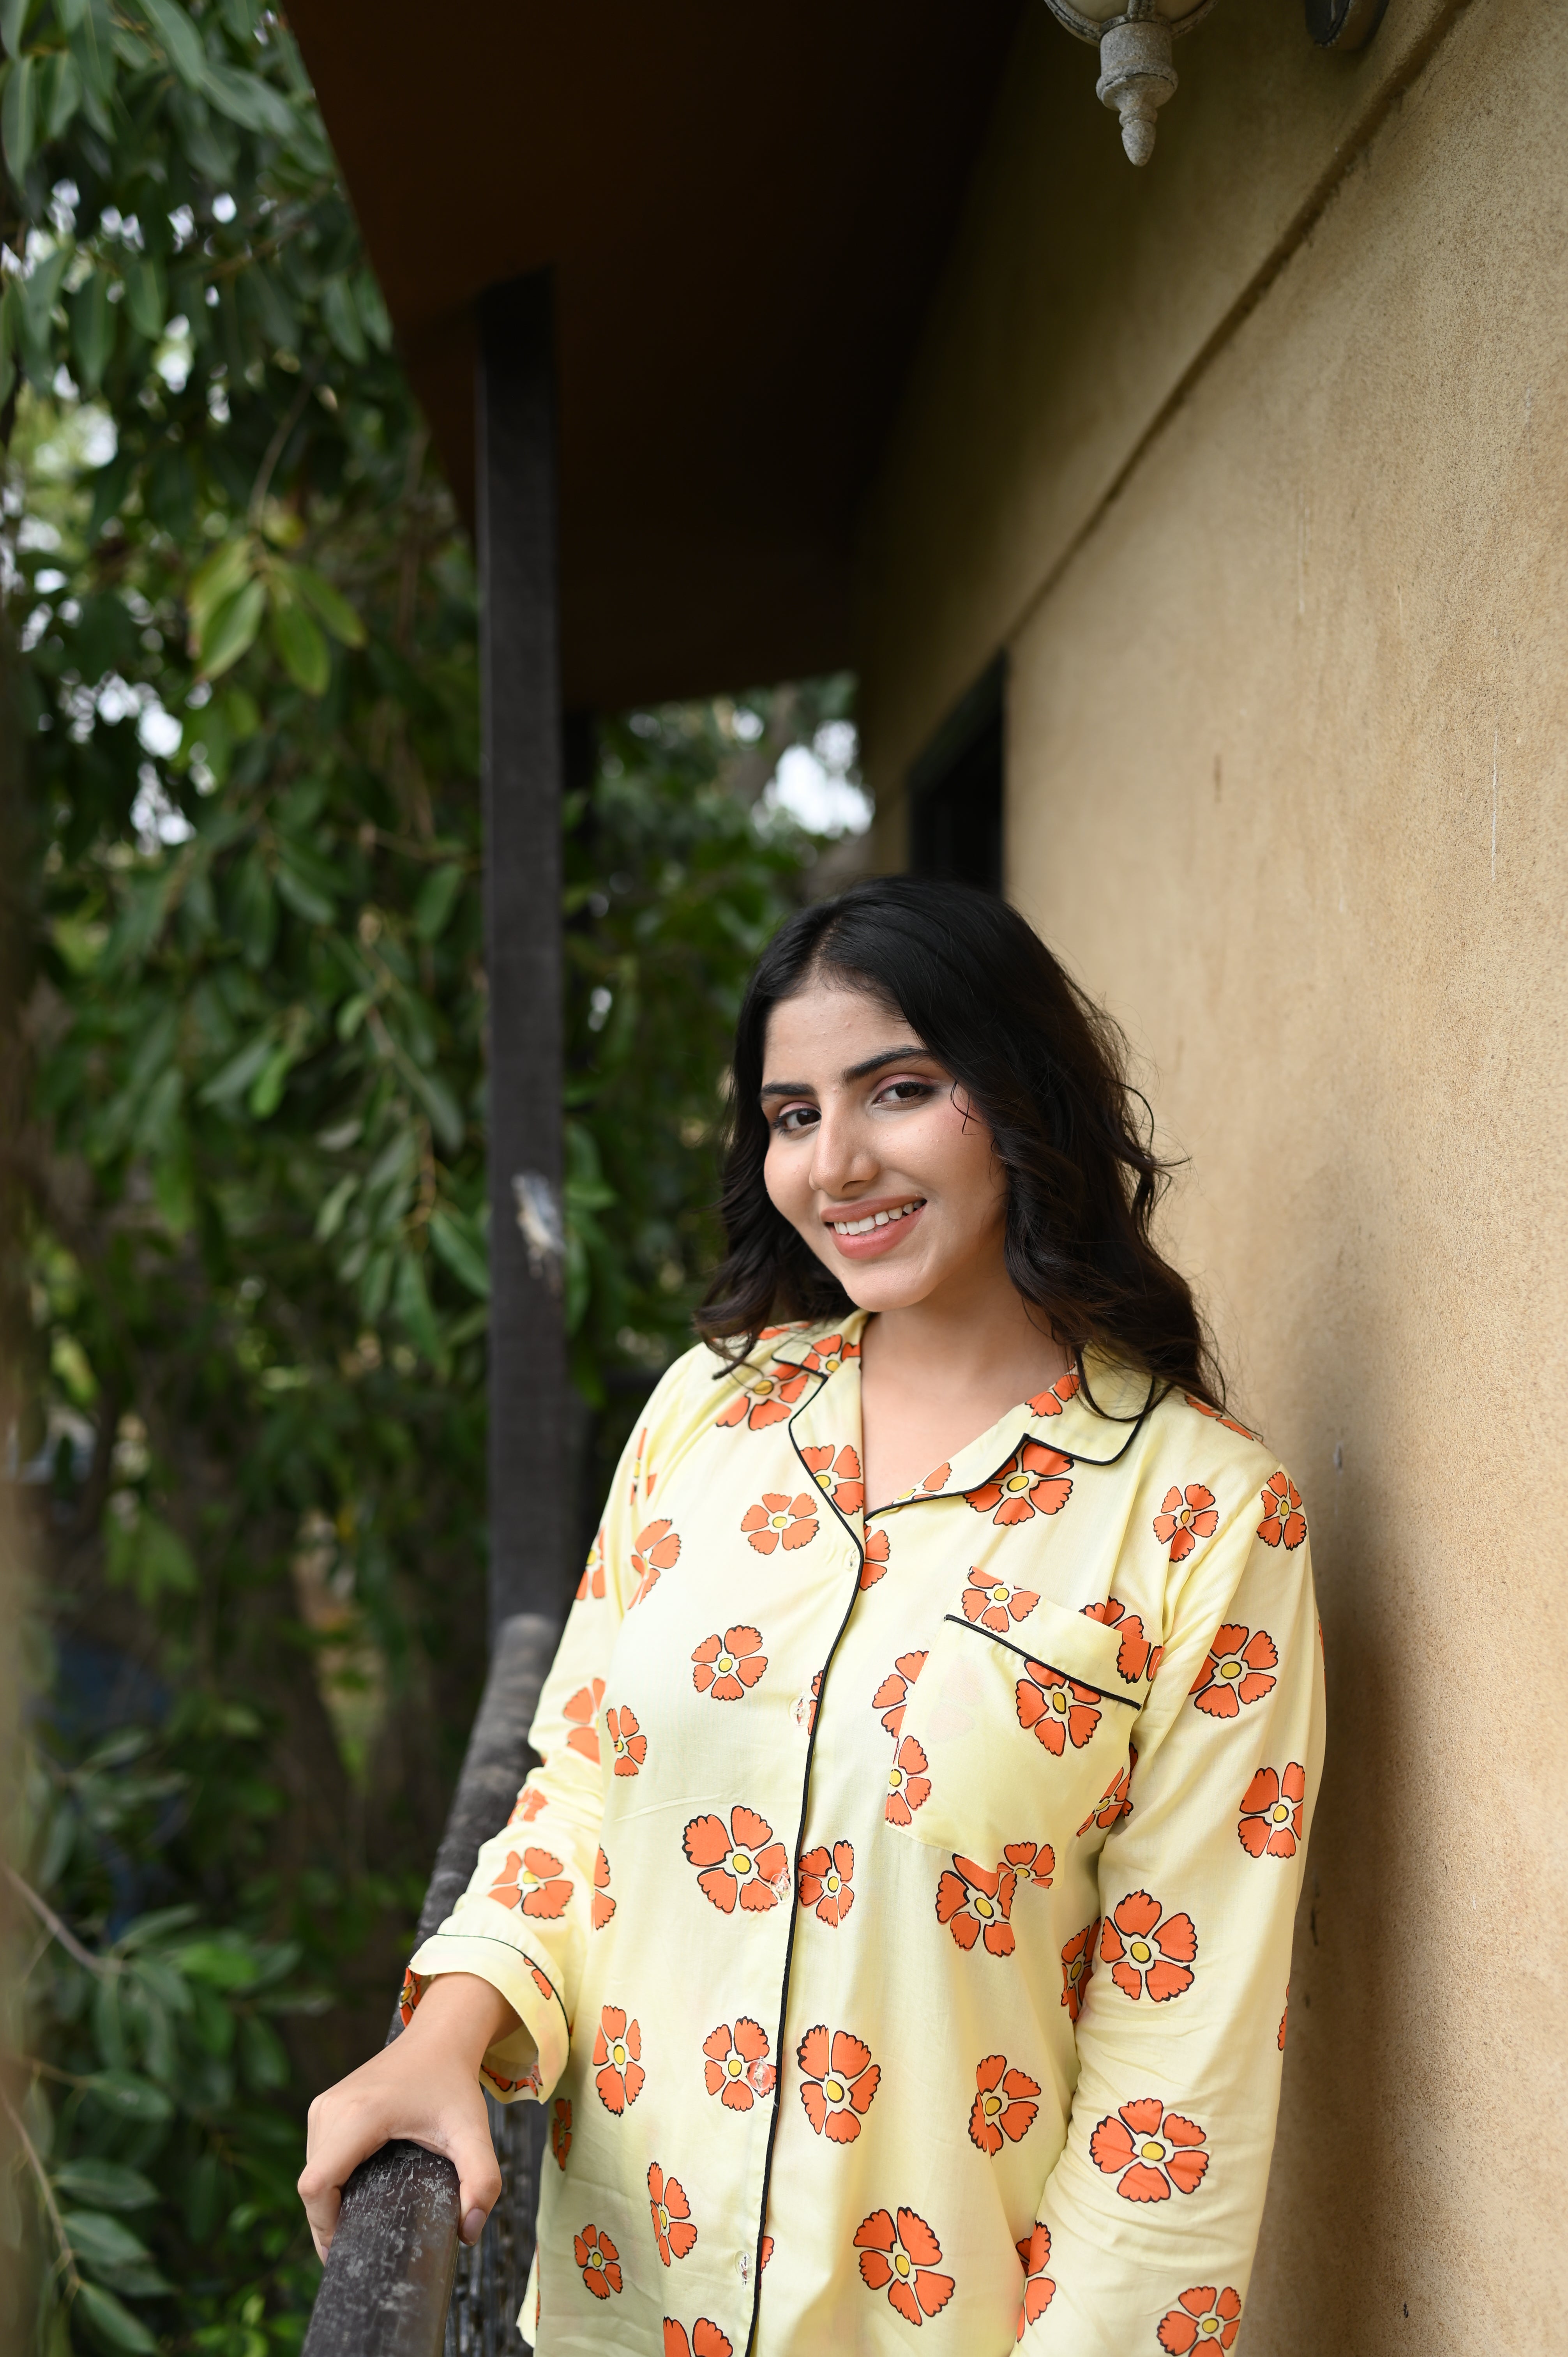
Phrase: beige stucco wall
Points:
(1288, 786)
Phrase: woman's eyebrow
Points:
(903, 1055)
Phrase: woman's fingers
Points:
(351, 2121)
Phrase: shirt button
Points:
(802, 1708)
(743, 2266)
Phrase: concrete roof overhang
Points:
(745, 211)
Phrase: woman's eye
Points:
(795, 1118)
(905, 1091)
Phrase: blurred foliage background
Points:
(244, 1203)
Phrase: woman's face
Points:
(874, 1154)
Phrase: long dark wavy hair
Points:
(1047, 1070)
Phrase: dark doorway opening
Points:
(955, 789)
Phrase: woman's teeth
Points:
(878, 1220)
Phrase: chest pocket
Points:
(1018, 1740)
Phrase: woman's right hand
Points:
(425, 2087)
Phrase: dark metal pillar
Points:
(530, 1499)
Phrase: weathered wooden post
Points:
(396, 2284)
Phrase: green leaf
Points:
(178, 40)
(147, 295)
(112, 2320)
(231, 631)
(238, 1073)
(92, 330)
(19, 114)
(130, 2096)
(342, 317)
(149, 1555)
(249, 101)
(213, 584)
(411, 1301)
(438, 1101)
(436, 899)
(105, 2184)
(59, 94)
(102, 2240)
(218, 1963)
(301, 648)
(13, 15)
(263, 2060)
(330, 604)
(456, 1242)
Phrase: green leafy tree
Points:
(251, 1297)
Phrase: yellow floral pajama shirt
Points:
(900, 1921)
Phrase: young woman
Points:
(898, 1927)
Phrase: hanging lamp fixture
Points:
(1134, 39)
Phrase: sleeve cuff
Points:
(530, 2059)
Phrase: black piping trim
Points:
(822, 1377)
(1128, 1702)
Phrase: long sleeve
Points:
(1152, 2210)
(537, 1889)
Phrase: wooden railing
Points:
(397, 2282)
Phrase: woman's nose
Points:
(842, 1159)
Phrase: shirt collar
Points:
(1060, 1419)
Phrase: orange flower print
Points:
(657, 1549)
(541, 1985)
(1148, 2150)
(1136, 1657)
(593, 1581)
(534, 1882)
(1236, 1672)
(706, 2339)
(793, 1519)
(528, 1804)
(903, 2257)
(838, 2079)
(1187, 1516)
(976, 1902)
(764, 2252)
(599, 2260)
(1279, 2036)
(874, 1560)
(1284, 1522)
(582, 1709)
(604, 1905)
(736, 2069)
(824, 1882)
(1032, 1482)
(618, 2074)
(1058, 1708)
(1031, 1862)
(726, 1667)
(909, 1786)
(738, 1861)
(1270, 1825)
(996, 1603)
(1228, 1421)
(837, 1477)
(1077, 1963)
(893, 1693)
(561, 2130)
(408, 1997)
(826, 1357)
(1145, 1952)
(629, 1747)
(1052, 1402)
(1116, 1800)
(768, 1399)
(1038, 2289)
(1002, 2104)
(673, 2228)
(1205, 2319)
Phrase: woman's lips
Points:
(877, 1241)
